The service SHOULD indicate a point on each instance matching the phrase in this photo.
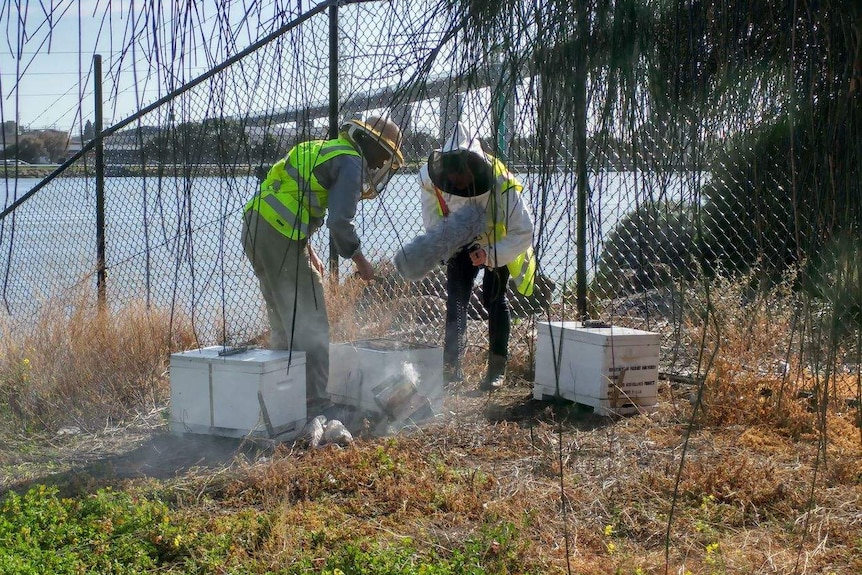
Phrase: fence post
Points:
(333, 109)
(502, 107)
(101, 274)
(580, 103)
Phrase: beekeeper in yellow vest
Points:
(315, 177)
(461, 173)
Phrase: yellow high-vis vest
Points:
(291, 194)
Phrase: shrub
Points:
(834, 283)
(779, 193)
(648, 248)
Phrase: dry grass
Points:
(743, 503)
(757, 372)
(389, 306)
(77, 365)
(355, 313)
(748, 484)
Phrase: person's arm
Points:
(431, 215)
(342, 177)
(363, 266)
(316, 263)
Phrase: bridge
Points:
(399, 100)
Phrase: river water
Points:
(175, 241)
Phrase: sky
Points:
(43, 75)
(46, 63)
(150, 47)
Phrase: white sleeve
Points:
(519, 230)
(431, 216)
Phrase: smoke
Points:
(418, 257)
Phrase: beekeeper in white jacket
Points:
(461, 174)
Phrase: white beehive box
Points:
(359, 369)
(257, 392)
(613, 369)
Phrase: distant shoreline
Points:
(136, 170)
(197, 170)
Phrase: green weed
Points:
(108, 532)
(494, 549)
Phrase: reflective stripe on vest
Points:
(523, 271)
(291, 195)
(523, 268)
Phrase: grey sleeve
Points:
(342, 176)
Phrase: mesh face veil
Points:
(377, 137)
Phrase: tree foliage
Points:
(764, 95)
(647, 248)
(29, 148)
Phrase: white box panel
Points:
(358, 370)
(609, 368)
(253, 392)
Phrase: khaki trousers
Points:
(293, 292)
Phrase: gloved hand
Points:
(478, 257)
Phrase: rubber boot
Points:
(452, 374)
(496, 375)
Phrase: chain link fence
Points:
(682, 183)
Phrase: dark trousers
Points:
(460, 276)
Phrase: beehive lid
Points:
(386, 344)
(251, 360)
(605, 336)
